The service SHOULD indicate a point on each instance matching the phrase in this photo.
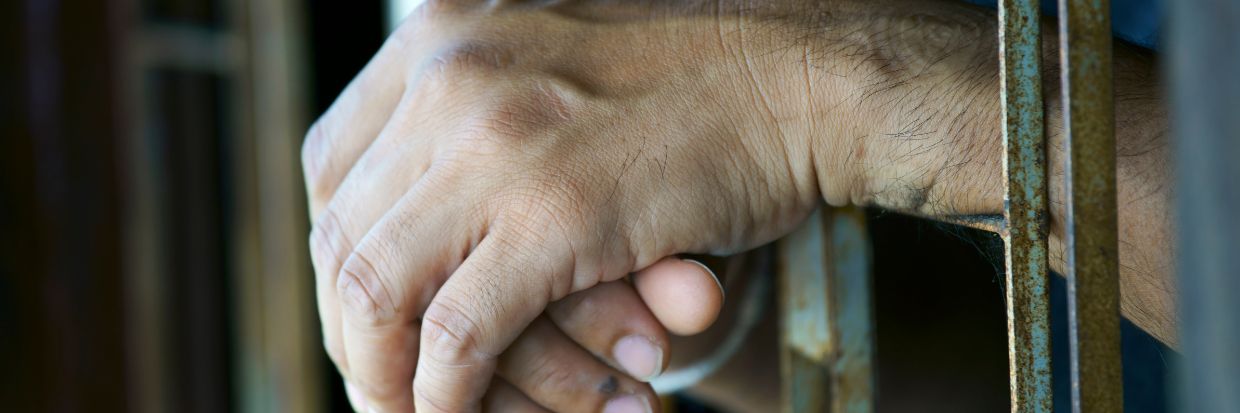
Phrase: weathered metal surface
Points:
(853, 389)
(805, 338)
(1091, 244)
(1028, 296)
(807, 383)
(1204, 40)
(827, 316)
(804, 291)
(995, 223)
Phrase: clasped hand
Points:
(482, 187)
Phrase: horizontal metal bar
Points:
(995, 223)
(1029, 348)
(189, 47)
(1092, 234)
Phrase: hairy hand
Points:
(514, 154)
(492, 160)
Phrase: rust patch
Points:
(1092, 230)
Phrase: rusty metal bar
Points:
(1092, 239)
(1205, 101)
(995, 223)
(827, 353)
(1028, 294)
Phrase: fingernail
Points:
(639, 357)
(722, 292)
(356, 400)
(629, 403)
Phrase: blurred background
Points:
(153, 227)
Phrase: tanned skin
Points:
(495, 158)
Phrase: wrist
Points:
(788, 95)
(896, 107)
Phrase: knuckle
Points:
(365, 292)
(551, 378)
(466, 61)
(530, 108)
(579, 311)
(451, 335)
(316, 159)
(311, 153)
(328, 246)
(517, 113)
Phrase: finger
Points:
(504, 398)
(383, 287)
(685, 295)
(499, 289)
(553, 371)
(326, 248)
(611, 322)
(371, 188)
(352, 122)
(381, 360)
(366, 195)
(330, 150)
(369, 191)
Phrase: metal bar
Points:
(827, 351)
(192, 48)
(149, 378)
(805, 334)
(1206, 97)
(995, 223)
(291, 351)
(852, 294)
(1091, 245)
(1028, 296)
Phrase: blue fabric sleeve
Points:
(1135, 21)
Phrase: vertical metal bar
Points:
(277, 75)
(852, 294)
(827, 351)
(805, 332)
(149, 379)
(1092, 244)
(1206, 122)
(1029, 348)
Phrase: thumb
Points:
(683, 294)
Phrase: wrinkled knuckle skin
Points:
(531, 109)
(449, 341)
(450, 335)
(467, 60)
(364, 293)
(328, 248)
(553, 379)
